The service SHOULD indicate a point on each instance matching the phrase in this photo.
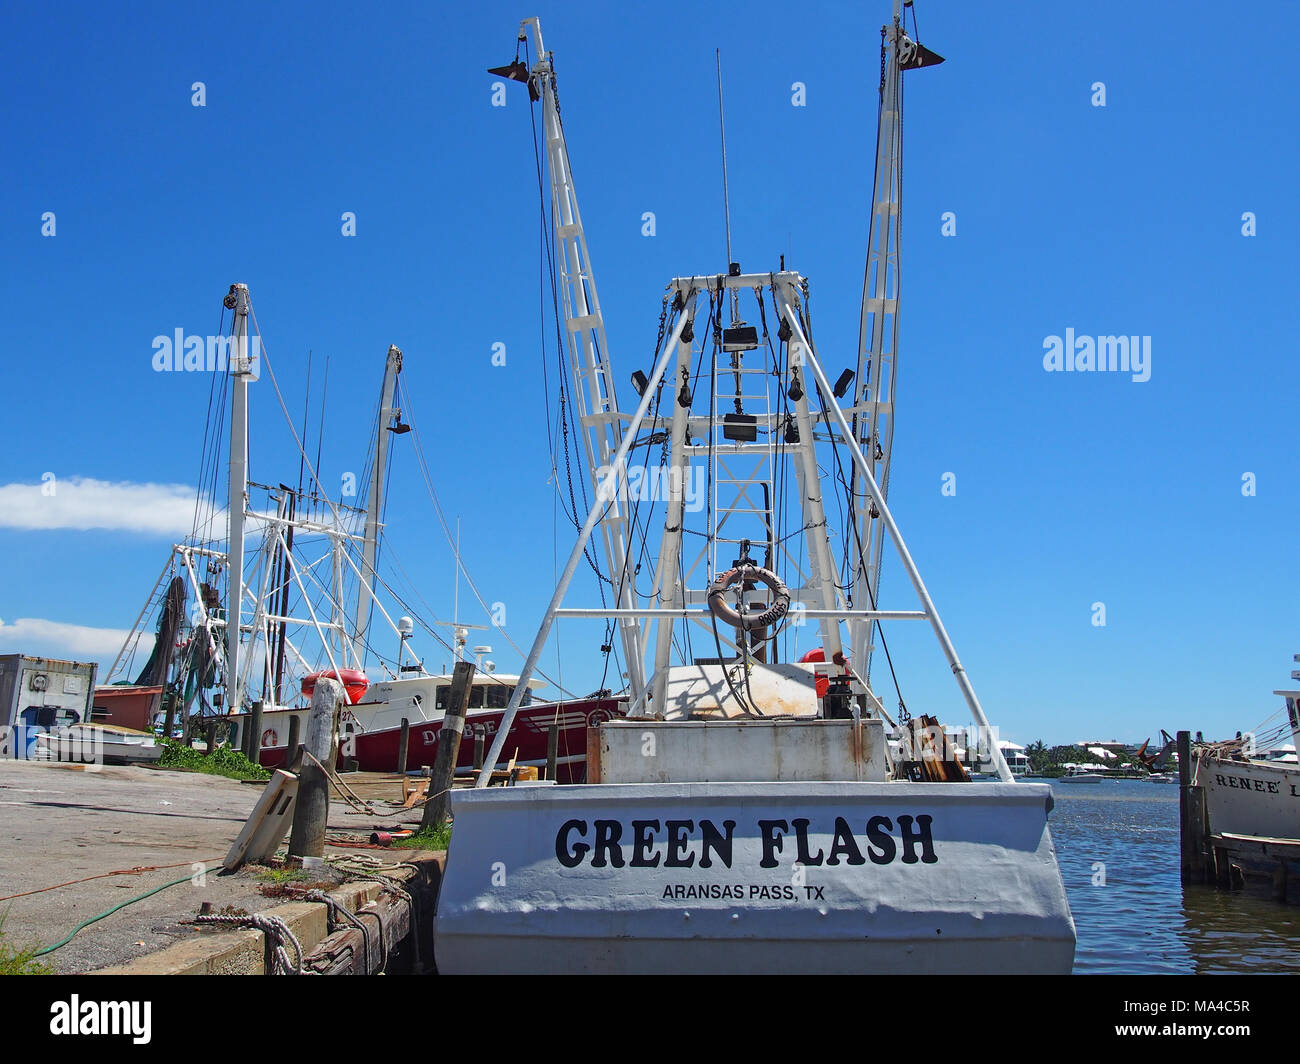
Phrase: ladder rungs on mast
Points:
(875, 304)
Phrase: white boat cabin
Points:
(425, 698)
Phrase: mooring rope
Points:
(338, 912)
(275, 930)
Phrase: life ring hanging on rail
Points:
(745, 574)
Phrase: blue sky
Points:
(1071, 488)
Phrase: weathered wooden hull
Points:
(731, 878)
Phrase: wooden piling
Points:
(253, 722)
(552, 750)
(210, 735)
(1222, 868)
(1191, 817)
(291, 747)
(449, 736)
(403, 746)
(311, 810)
(1202, 852)
(480, 742)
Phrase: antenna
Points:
(726, 196)
(459, 630)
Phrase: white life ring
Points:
(743, 574)
(269, 738)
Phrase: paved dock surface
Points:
(62, 823)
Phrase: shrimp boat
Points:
(287, 596)
(1252, 790)
(746, 814)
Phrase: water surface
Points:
(1117, 842)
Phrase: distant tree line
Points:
(1044, 759)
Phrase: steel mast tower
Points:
(873, 411)
(594, 393)
(375, 503)
(240, 371)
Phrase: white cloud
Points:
(83, 503)
(78, 642)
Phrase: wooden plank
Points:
(415, 791)
(348, 951)
(1263, 842)
(267, 824)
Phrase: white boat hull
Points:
(1251, 797)
(754, 877)
(87, 744)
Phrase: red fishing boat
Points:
(371, 724)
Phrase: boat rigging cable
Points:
(210, 455)
(423, 465)
(550, 270)
(566, 404)
(635, 556)
(266, 361)
(904, 715)
(726, 194)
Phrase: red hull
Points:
(377, 751)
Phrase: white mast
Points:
(598, 413)
(240, 373)
(872, 411)
(375, 506)
(459, 629)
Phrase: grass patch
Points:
(223, 761)
(433, 839)
(19, 961)
(280, 876)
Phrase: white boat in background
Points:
(1249, 796)
(1079, 774)
(98, 744)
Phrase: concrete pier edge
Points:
(244, 951)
